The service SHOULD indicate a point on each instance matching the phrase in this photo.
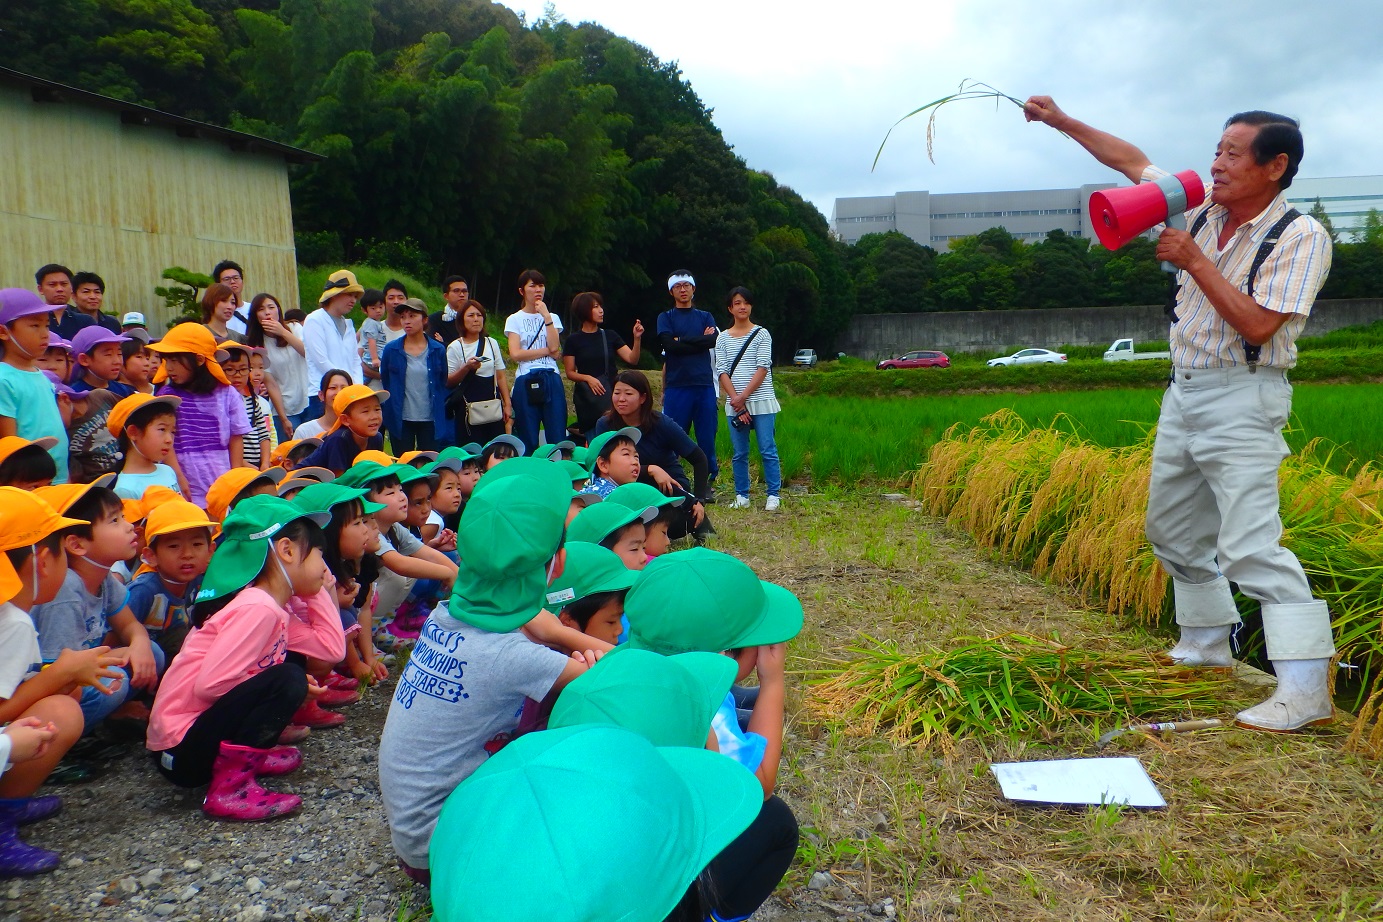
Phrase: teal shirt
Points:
(27, 397)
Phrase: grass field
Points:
(849, 441)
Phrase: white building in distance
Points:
(935, 219)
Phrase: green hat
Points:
(575, 471)
(640, 496)
(596, 523)
(513, 441)
(451, 458)
(407, 473)
(365, 472)
(668, 700)
(600, 441)
(590, 568)
(460, 453)
(700, 599)
(578, 454)
(246, 534)
(571, 799)
(320, 497)
(510, 529)
(471, 448)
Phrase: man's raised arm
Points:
(1115, 153)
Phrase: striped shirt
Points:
(759, 355)
(1287, 282)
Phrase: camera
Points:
(743, 421)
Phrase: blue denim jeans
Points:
(696, 408)
(97, 706)
(551, 414)
(768, 453)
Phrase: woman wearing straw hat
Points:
(329, 338)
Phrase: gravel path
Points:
(135, 847)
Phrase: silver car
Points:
(1028, 357)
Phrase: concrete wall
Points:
(877, 336)
(84, 189)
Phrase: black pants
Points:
(417, 435)
(747, 871)
(253, 714)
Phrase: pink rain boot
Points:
(18, 858)
(345, 683)
(337, 697)
(311, 715)
(294, 733)
(280, 761)
(234, 794)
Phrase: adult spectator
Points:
(329, 338)
(88, 293)
(663, 446)
(475, 372)
(744, 362)
(687, 335)
(413, 369)
(218, 307)
(589, 358)
(55, 288)
(1213, 497)
(285, 360)
(233, 277)
(394, 294)
(444, 325)
(532, 331)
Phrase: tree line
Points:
(461, 139)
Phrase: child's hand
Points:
(313, 689)
(445, 540)
(88, 667)
(346, 592)
(380, 671)
(29, 738)
(362, 672)
(587, 658)
(143, 668)
(772, 662)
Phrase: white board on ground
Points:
(1074, 782)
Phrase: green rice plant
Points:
(1015, 685)
(969, 89)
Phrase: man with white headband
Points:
(688, 336)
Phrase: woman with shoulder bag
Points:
(589, 359)
(479, 401)
(744, 363)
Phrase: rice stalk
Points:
(1016, 684)
(968, 89)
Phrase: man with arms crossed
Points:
(1213, 499)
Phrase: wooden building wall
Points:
(80, 188)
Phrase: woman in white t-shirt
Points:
(744, 367)
(285, 364)
(475, 373)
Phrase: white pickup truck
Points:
(1121, 350)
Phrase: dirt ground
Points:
(1258, 826)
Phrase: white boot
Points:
(1203, 646)
(1302, 698)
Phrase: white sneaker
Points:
(772, 504)
(741, 502)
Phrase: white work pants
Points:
(1213, 512)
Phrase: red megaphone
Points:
(1121, 214)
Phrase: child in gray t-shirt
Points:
(459, 698)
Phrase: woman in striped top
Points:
(744, 364)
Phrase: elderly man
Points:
(1250, 268)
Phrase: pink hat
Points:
(20, 302)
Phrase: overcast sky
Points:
(807, 91)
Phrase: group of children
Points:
(563, 662)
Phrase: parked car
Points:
(805, 358)
(919, 358)
(1028, 357)
(1121, 350)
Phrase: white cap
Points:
(133, 317)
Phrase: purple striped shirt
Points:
(207, 421)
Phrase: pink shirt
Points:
(241, 640)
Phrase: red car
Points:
(919, 359)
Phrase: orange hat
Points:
(122, 411)
(137, 510)
(193, 339)
(25, 520)
(232, 483)
(408, 457)
(281, 451)
(353, 394)
(61, 496)
(13, 443)
(175, 515)
(375, 455)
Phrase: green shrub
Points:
(318, 248)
